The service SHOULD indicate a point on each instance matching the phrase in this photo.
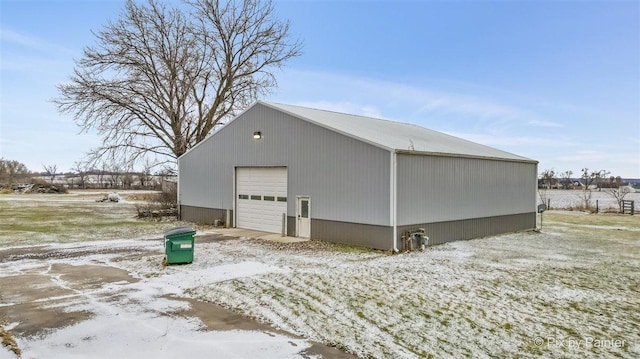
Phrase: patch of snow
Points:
(10, 326)
(147, 335)
(489, 297)
(6, 354)
(136, 320)
(178, 279)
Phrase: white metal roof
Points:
(395, 136)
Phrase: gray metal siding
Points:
(438, 189)
(449, 231)
(348, 180)
(291, 226)
(357, 234)
(202, 215)
(364, 235)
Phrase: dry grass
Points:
(31, 219)
(9, 341)
(143, 197)
(491, 297)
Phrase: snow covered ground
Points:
(567, 199)
(138, 319)
(571, 291)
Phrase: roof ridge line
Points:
(347, 114)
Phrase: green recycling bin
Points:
(178, 244)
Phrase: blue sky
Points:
(558, 82)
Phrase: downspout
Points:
(178, 192)
(393, 199)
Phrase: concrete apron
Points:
(41, 300)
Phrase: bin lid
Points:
(178, 230)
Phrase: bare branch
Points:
(51, 171)
(619, 193)
(160, 78)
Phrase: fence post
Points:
(548, 203)
(628, 205)
(597, 206)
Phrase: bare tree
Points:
(11, 171)
(127, 177)
(50, 171)
(115, 172)
(618, 181)
(548, 178)
(4, 176)
(619, 193)
(100, 174)
(80, 170)
(601, 179)
(590, 179)
(145, 176)
(161, 78)
(545, 183)
(565, 179)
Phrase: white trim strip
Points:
(394, 199)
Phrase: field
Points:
(568, 199)
(52, 218)
(572, 290)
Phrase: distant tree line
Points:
(12, 171)
(107, 176)
(588, 181)
(549, 179)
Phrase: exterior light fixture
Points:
(257, 135)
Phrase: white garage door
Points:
(261, 198)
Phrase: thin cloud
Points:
(16, 38)
(34, 56)
(17, 143)
(24, 41)
(468, 105)
(494, 140)
(344, 107)
(585, 156)
(540, 123)
(425, 101)
(51, 67)
(622, 163)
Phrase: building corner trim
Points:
(393, 199)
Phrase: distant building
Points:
(352, 179)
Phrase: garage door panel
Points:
(261, 214)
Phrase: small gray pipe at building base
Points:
(284, 225)
(415, 240)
